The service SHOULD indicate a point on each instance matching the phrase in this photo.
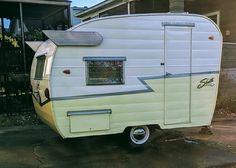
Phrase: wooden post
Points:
(3, 32)
(69, 16)
(22, 37)
(128, 7)
(26, 85)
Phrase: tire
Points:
(138, 136)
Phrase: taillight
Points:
(211, 37)
(66, 71)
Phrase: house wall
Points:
(227, 88)
(136, 7)
(120, 10)
(227, 14)
(151, 6)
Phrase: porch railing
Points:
(15, 92)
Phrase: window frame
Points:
(48, 65)
(88, 59)
(217, 14)
(36, 77)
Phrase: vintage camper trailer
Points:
(130, 72)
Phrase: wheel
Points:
(138, 135)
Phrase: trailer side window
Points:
(105, 71)
(40, 67)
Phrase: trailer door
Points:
(177, 95)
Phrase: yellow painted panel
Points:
(45, 113)
(140, 108)
(88, 123)
(177, 100)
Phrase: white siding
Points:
(141, 40)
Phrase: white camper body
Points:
(108, 74)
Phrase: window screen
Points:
(40, 67)
(105, 72)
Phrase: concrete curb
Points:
(224, 119)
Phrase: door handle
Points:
(162, 63)
(168, 74)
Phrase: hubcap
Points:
(139, 135)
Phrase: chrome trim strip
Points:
(104, 58)
(142, 80)
(180, 24)
(89, 112)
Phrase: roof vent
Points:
(176, 6)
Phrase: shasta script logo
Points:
(206, 82)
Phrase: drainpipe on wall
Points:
(176, 6)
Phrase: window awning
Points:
(74, 38)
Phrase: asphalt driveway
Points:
(41, 147)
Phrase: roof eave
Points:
(54, 2)
(97, 7)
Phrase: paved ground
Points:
(40, 147)
(224, 134)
